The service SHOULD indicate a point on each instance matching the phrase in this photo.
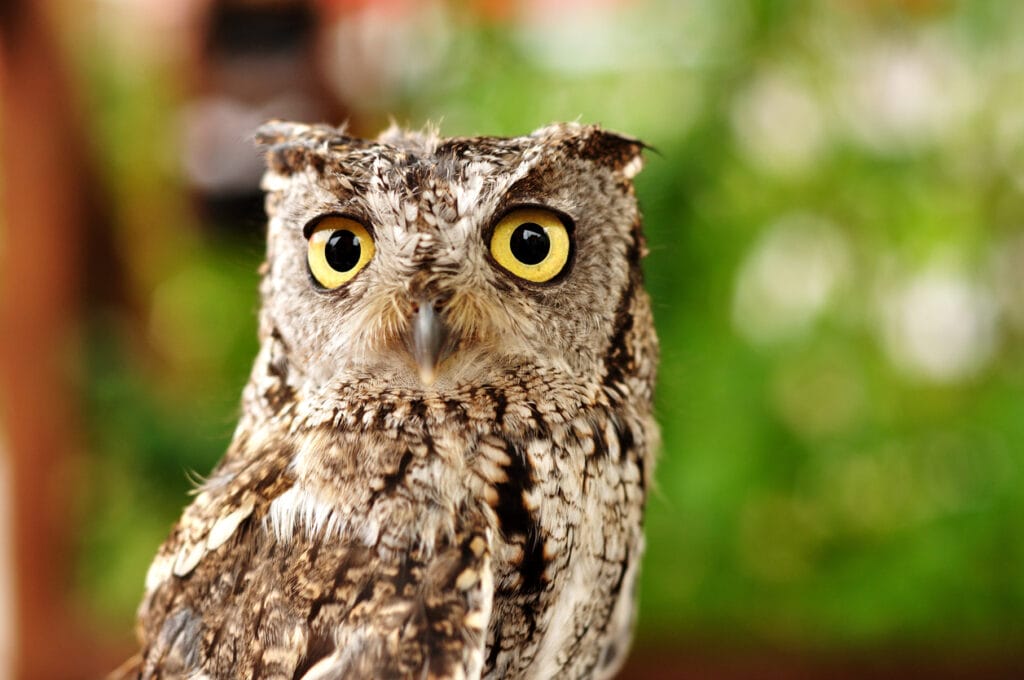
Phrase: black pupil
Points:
(530, 243)
(343, 250)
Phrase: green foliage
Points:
(834, 213)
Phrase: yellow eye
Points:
(532, 243)
(338, 249)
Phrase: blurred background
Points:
(835, 209)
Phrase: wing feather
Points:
(316, 606)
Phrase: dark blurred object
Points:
(247, 30)
(255, 60)
(733, 662)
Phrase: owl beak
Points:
(428, 339)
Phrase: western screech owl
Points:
(446, 439)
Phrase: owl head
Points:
(423, 263)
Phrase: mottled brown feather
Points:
(363, 524)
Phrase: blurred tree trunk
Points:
(42, 234)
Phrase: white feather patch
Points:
(298, 506)
(188, 558)
(158, 572)
(634, 166)
(561, 624)
(225, 526)
(478, 619)
(273, 181)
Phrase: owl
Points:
(446, 440)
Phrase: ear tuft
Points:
(621, 153)
(292, 147)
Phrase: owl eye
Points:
(532, 243)
(339, 248)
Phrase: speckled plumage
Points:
(365, 525)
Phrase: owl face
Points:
(424, 263)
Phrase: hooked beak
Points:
(429, 336)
